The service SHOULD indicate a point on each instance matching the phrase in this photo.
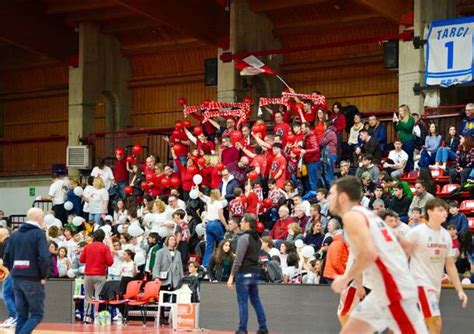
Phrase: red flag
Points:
(251, 65)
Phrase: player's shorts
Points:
(428, 302)
(347, 301)
(400, 317)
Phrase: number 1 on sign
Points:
(450, 47)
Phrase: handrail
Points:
(33, 139)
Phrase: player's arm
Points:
(454, 277)
(407, 245)
(356, 228)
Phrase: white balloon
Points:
(120, 229)
(307, 251)
(299, 243)
(197, 179)
(49, 219)
(77, 221)
(70, 273)
(78, 191)
(193, 194)
(200, 230)
(163, 231)
(135, 230)
(57, 223)
(68, 205)
(148, 218)
(107, 229)
(139, 258)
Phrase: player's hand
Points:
(339, 284)
(230, 281)
(463, 298)
(360, 292)
(43, 281)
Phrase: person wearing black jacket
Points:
(400, 203)
(246, 269)
(28, 259)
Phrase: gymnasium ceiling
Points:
(41, 31)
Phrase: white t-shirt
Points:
(427, 260)
(402, 229)
(105, 174)
(398, 157)
(128, 269)
(57, 190)
(96, 199)
(158, 220)
(116, 267)
(212, 208)
(87, 193)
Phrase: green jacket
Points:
(151, 258)
(405, 129)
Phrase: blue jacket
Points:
(380, 134)
(27, 255)
(460, 220)
(467, 127)
(229, 193)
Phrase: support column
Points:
(248, 32)
(411, 61)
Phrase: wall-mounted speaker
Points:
(210, 72)
(390, 54)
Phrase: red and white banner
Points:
(223, 109)
(251, 65)
(286, 96)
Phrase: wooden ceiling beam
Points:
(202, 19)
(160, 47)
(105, 14)
(26, 25)
(393, 9)
(311, 26)
(259, 6)
(77, 6)
(127, 24)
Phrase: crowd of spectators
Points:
(161, 220)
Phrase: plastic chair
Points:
(447, 189)
(133, 289)
(438, 175)
(411, 176)
(467, 206)
(148, 297)
(470, 221)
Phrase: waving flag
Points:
(251, 65)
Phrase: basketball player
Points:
(431, 246)
(392, 301)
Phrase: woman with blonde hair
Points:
(404, 124)
(294, 233)
(215, 222)
(98, 200)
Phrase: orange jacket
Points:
(336, 258)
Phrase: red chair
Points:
(438, 176)
(467, 206)
(447, 189)
(471, 223)
(148, 297)
(133, 289)
(411, 176)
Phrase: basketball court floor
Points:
(133, 328)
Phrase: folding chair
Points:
(133, 289)
(148, 297)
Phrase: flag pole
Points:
(284, 82)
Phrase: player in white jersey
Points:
(392, 219)
(431, 252)
(379, 257)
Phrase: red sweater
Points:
(280, 229)
(97, 258)
(311, 147)
(339, 121)
(186, 177)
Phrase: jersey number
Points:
(385, 234)
(450, 47)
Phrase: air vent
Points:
(78, 157)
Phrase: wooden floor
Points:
(133, 328)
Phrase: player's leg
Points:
(405, 317)
(356, 326)
(367, 317)
(428, 302)
(347, 302)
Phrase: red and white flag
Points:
(251, 65)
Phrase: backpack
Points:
(274, 273)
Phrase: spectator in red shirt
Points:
(252, 203)
(97, 258)
(280, 229)
(120, 172)
(311, 156)
(278, 166)
(320, 127)
(149, 166)
(203, 145)
(239, 170)
(281, 128)
(339, 121)
(229, 153)
(258, 159)
(186, 174)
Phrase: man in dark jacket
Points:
(246, 269)
(228, 184)
(311, 156)
(377, 130)
(400, 203)
(28, 259)
(369, 146)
